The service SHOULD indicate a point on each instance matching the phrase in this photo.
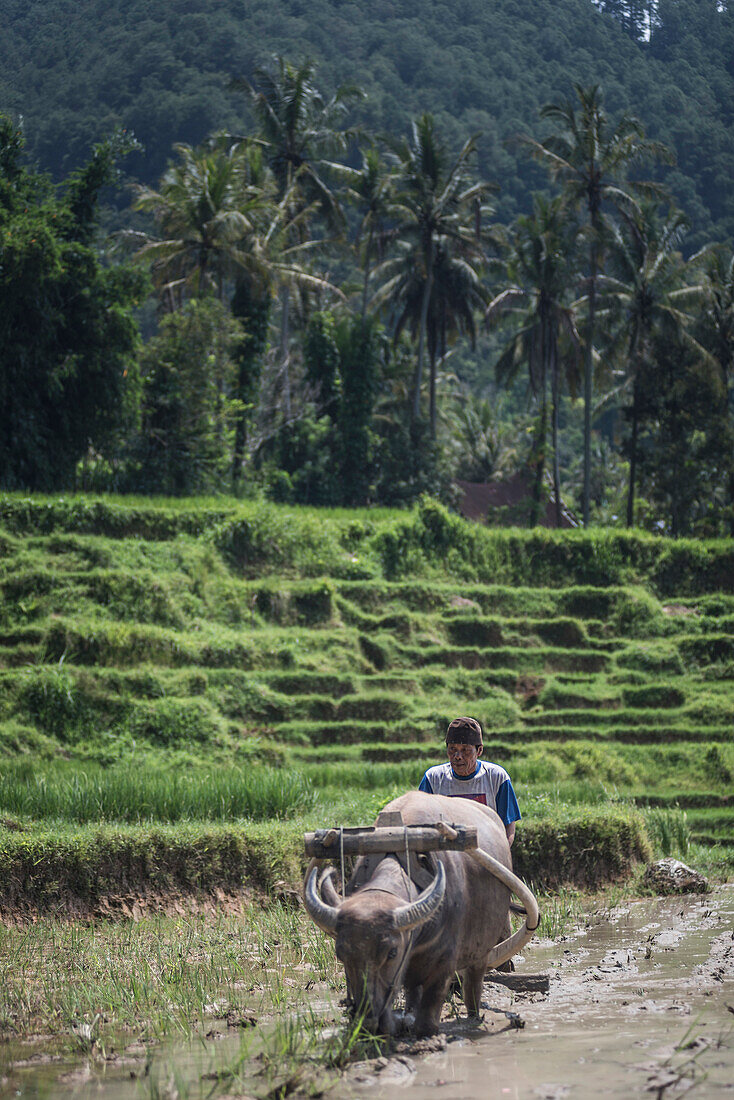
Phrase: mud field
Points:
(640, 1003)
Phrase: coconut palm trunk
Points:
(588, 378)
(540, 440)
(633, 455)
(590, 156)
(285, 299)
(422, 334)
(542, 433)
(432, 389)
(555, 394)
(365, 285)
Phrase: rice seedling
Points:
(560, 913)
(160, 976)
(669, 830)
(142, 794)
(365, 776)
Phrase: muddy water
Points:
(641, 1003)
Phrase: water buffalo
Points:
(388, 935)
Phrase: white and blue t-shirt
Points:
(489, 785)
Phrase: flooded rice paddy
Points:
(640, 1003)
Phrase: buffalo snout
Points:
(373, 965)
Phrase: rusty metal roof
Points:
(479, 498)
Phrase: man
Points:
(466, 776)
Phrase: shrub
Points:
(585, 847)
(600, 764)
(314, 605)
(690, 567)
(587, 602)
(49, 697)
(102, 516)
(303, 682)
(715, 767)
(18, 739)
(287, 539)
(651, 657)
(715, 606)
(78, 868)
(707, 648)
(375, 652)
(637, 614)
(176, 722)
(306, 604)
(371, 708)
(560, 696)
(538, 766)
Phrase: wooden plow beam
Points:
(330, 843)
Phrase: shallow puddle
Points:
(640, 1004)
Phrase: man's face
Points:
(463, 758)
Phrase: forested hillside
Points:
(74, 70)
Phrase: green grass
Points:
(141, 794)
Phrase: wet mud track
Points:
(640, 1003)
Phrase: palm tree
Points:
(277, 264)
(220, 221)
(433, 206)
(457, 295)
(538, 269)
(371, 189)
(300, 131)
(717, 333)
(203, 208)
(646, 296)
(590, 156)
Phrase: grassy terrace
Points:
(185, 686)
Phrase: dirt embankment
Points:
(120, 871)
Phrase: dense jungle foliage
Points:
(356, 300)
(74, 71)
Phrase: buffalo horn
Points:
(424, 906)
(326, 888)
(320, 913)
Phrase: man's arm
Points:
(508, 809)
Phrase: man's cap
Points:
(465, 731)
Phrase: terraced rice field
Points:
(172, 650)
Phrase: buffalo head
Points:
(373, 930)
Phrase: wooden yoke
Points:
(330, 843)
(389, 836)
